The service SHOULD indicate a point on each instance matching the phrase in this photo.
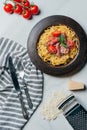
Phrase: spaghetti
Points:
(58, 45)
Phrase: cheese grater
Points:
(74, 112)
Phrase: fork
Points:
(20, 68)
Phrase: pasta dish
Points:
(58, 45)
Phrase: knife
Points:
(17, 87)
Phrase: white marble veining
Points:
(18, 29)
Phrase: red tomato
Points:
(8, 8)
(26, 14)
(52, 49)
(18, 9)
(19, 1)
(56, 33)
(25, 3)
(70, 44)
(34, 9)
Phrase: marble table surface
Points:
(16, 28)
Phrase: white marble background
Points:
(18, 29)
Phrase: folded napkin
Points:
(11, 117)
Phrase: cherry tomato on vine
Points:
(34, 9)
(19, 1)
(18, 9)
(25, 3)
(8, 8)
(26, 14)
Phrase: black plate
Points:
(35, 33)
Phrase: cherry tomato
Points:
(26, 14)
(8, 8)
(34, 9)
(18, 9)
(70, 44)
(56, 33)
(52, 49)
(25, 3)
(19, 1)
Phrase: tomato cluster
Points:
(23, 7)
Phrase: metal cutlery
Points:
(17, 87)
(20, 68)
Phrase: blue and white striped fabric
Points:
(11, 117)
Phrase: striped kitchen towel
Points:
(11, 117)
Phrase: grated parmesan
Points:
(49, 109)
